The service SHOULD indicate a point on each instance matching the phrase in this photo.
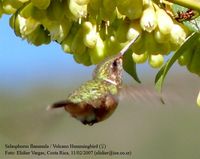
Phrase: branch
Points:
(191, 4)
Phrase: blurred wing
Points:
(140, 93)
(149, 94)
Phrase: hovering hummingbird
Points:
(96, 100)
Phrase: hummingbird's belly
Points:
(88, 114)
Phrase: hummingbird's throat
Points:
(111, 81)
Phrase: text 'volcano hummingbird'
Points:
(96, 100)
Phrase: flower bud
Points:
(30, 25)
(134, 30)
(67, 42)
(38, 37)
(19, 24)
(186, 57)
(77, 10)
(55, 10)
(82, 2)
(90, 35)
(112, 46)
(122, 31)
(194, 64)
(108, 10)
(177, 34)
(152, 47)
(156, 61)
(83, 58)
(41, 4)
(132, 9)
(165, 22)
(58, 30)
(139, 46)
(97, 53)
(148, 21)
(11, 6)
(78, 46)
(160, 37)
(29, 10)
(139, 58)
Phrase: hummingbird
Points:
(95, 100)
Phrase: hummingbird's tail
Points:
(60, 104)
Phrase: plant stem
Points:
(191, 4)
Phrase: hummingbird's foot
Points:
(85, 122)
(88, 119)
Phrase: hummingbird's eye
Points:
(115, 63)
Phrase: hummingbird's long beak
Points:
(121, 53)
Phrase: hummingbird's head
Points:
(110, 70)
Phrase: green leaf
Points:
(130, 66)
(177, 8)
(194, 23)
(160, 77)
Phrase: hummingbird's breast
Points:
(92, 91)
